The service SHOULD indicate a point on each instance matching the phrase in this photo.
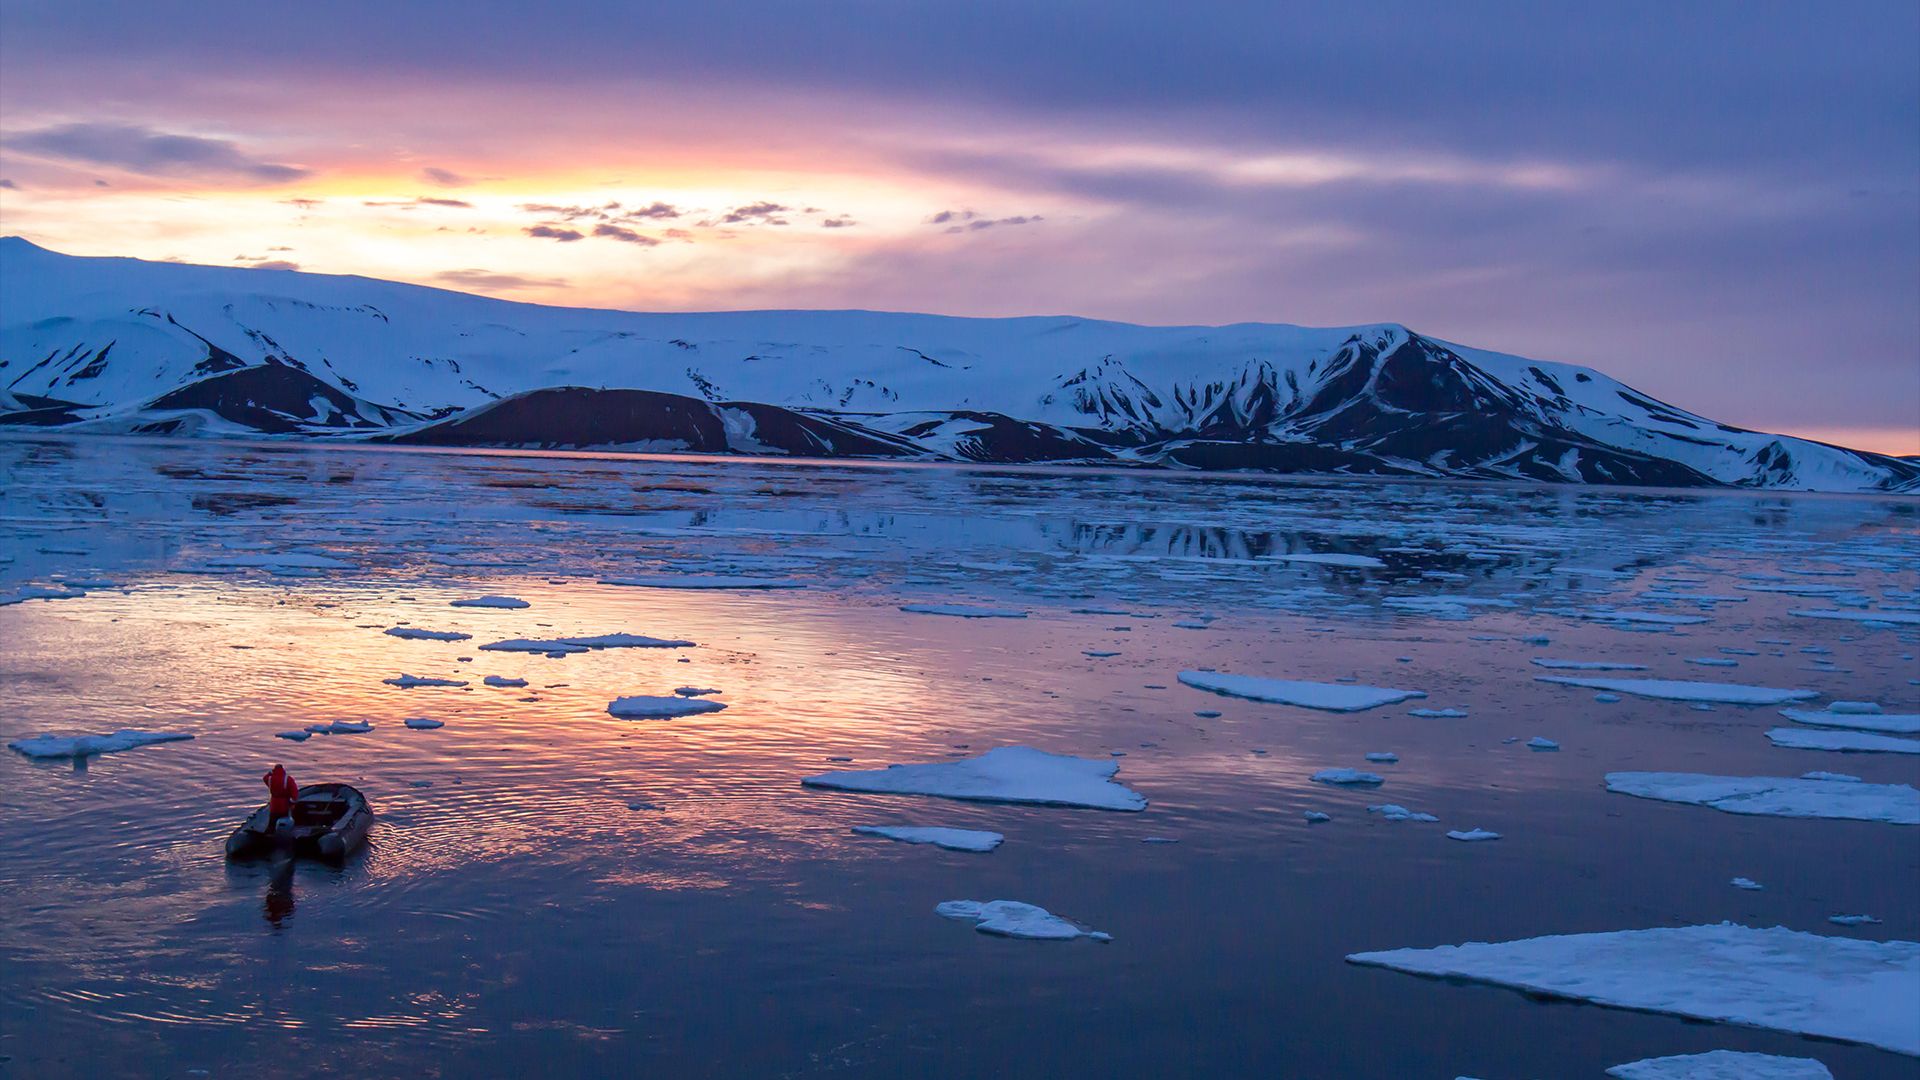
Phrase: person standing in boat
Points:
(281, 791)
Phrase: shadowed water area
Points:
(550, 889)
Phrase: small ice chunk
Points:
(939, 836)
(1677, 690)
(1191, 624)
(1894, 723)
(1845, 741)
(1746, 883)
(1384, 757)
(1206, 714)
(424, 723)
(1722, 1065)
(502, 680)
(1012, 918)
(80, 746)
(1315, 817)
(1396, 812)
(1855, 708)
(297, 735)
(625, 641)
(417, 634)
(1840, 777)
(1538, 743)
(1775, 796)
(1586, 665)
(408, 682)
(1010, 774)
(1713, 661)
(693, 691)
(1784, 980)
(643, 707)
(1347, 776)
(1437, 714)
(964, 611)
(491, 602)
(1852, 920)
(1159, 840)
(1099, 654)
(1606, 699)
(341, 727)
(1471, 835)
(533, 645)
(1334, 697)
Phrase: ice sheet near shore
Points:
(67, 746)
(1013, 918)
(1333, 697)
(1845, 741)
(1680, 690)
(1009, 774)
(964, 611)
(644, 707)
(1776, 796)
(1784, 980)
(1722, 1065)
(974, 840)
(1893, 723)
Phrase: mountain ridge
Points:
(124, 345)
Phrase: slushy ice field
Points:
(558, 884)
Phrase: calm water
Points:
(512, 915)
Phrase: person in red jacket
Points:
(281, 791)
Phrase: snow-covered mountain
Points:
(121, 345)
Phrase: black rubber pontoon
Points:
(330, 821)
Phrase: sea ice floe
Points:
(1586, 665)
(1776, 796)
(1845, 778)
(1009, 774)
(1847, 741)
(417, 634)
(424, 723)
(1384, 757)
(1852, 920)
(502, 680)
(1315, 817)
(76, 746)
(1437, 714)
(1679, 690)
(1359, 562)
(1012, 918)
(408, 682)
(1746, 883)
(952, 839)
(341, 727)
(1897, 618)
(1713, 661)
(694, 691)
(1334, 697)
(704, 581)
(1396, 812)
(1784, 980)
(1606, 699)
(1347, 776)
(1538, 743)
(1472, 835)
(39, 592)
(644, 707)
(491, 602)
(964, 611)
(297, 735)
(1893, 723)
(550, 646)
(1722, 1065)
(1099, 654)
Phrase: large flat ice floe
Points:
(1783, 980)
(703, 581)
(1722, 1065)
(964, 611)
(407, 682)
(644, 707)
(1776, 796)
(974, 840)
(67, 746)
(1013, 918)
(1333, 697)
(1850, 741)
(1008, 774)
(1893, 723)
(1682, 690)
(417, 634)
(582, 644)
(491, 601)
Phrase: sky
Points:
(1718, 203)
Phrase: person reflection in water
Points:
(281, 791)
